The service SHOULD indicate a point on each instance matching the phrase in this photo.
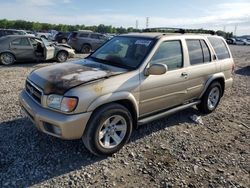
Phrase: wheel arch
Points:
(219, 78)
(124, 98)
(61, 50)
(10, 53)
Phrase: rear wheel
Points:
(86, 48)
(7, 58)
(108, 130)
(62, 56)
(211, 98)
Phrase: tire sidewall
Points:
(13, 57)
(59, 53)
(213, 85)
(84, 47)
(96, 123)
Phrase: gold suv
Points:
(131, 80)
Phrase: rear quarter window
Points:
(220, 48)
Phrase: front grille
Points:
(33, 91)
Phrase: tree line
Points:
(37, 26)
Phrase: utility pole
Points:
(147, 22)
(235, 30)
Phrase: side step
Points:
(166, 113)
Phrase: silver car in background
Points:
(86, 41)
(16, 48)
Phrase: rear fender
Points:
(210, 80)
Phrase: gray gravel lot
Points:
(172, 151)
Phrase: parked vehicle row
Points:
(28, 48)
(83, 41)
(238, 41)
(129, 81)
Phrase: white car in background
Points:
(43, 35)
(242, 42)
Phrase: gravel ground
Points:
(171, 152)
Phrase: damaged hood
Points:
(63, 45)
(57, 79)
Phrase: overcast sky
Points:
(212, 14)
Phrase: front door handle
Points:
(184, 74)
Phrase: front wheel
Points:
(211, 98)
(62, 56)
(7, 59)
(108, 130)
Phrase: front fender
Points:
(112, 97)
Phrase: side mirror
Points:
(156, 69)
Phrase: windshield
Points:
(125, 52)
(46, 42)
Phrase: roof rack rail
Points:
(179, 30)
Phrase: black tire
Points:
(204, 106)
(92, 132)
(86, 49)
(64, 41)
(7, 58)
(62, 56)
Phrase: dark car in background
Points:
(5, 32)
(86, 41)
(62, 37)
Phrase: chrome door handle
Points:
(184, 74)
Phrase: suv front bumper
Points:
(60, 125)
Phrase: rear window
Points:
(220, 48)
(73, 35)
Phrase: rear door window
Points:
(198, 51)
(195, 52)
(220, 48)
(16, 42)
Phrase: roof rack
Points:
(179, 30)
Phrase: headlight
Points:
(65, 104)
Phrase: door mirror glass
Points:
(156, 69)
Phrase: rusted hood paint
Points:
(57, 79)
